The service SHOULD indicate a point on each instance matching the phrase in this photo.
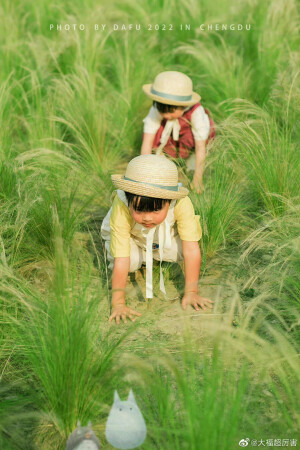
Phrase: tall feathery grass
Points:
(62, 355)
(235, 383)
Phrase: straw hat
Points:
(172, 88)
(151, 176)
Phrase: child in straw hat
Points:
(151, 217)
(177, 123)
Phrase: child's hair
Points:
(145, 204)
(162, 108)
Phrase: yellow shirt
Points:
(121, 223)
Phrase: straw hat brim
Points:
(147, 190)
(166, 101)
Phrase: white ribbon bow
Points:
(164, 241)
(171, 127)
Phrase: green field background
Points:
(71, 111)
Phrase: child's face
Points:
(149, 219)
(173, 115)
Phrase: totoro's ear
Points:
(116, 397)
(131, 397)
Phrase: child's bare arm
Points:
(192, 261)
(200, 151)
(119, 279)
(119, 309)
(147, 143)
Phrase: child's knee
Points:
(136, 257)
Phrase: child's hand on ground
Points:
(121, 312)
(194, 299)
(197, 183)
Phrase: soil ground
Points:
(164, 324)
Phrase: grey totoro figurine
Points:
(125, 426)
(83, 438)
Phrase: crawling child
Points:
(177, 123)
(151, 217)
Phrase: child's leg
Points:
(137, 256)
(109, 257)
(173, 254)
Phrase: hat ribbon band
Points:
(179, 98)
(167, 188)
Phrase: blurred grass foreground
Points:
(71, 110)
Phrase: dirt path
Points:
(164, 323)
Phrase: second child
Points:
(177, 123)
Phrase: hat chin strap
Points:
(149, 263)
(164, 241)
(171, 126)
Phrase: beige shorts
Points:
(138, 254)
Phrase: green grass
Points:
(216, 389)
(60, 353)
(221, 206)
(267, 154)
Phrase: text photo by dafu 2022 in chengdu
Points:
(148, 27)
